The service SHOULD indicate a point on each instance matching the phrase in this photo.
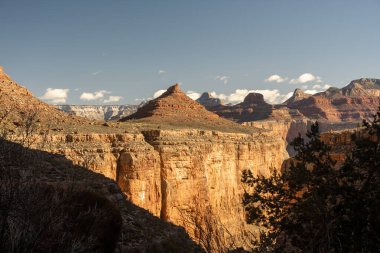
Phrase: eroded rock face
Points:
(181, 175)
(358, 100)
(252, 108)
(207, 100)
(174, 105)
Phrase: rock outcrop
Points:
(297, 96)
(207, 100)
(18, 103)
(175, 108)
(99, 112)
(173, 105)
(252, 108)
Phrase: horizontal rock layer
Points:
(181, 175)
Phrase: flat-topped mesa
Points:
(254, 99)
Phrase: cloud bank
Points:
(113, 99)
(305, 78)
(276, 78)
(224, 79)
(89, 96)
(55, 96)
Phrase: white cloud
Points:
(306, 77)
(276, 78)
(112, 99)
(321, 87)
(56, 96)
(220, 96)
(311, 91)
(88, 96)
(162, 72)
(96, 73)
(193, 95)
(317, 88)
(224, 79)
(158, 93)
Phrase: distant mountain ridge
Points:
(99, 112)
(357, 101)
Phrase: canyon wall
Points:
(290, 128)
(189, 177)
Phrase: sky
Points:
(125, 51)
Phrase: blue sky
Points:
(97, 51)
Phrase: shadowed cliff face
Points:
(170, 172)
(51, 174)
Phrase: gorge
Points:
(172, 157)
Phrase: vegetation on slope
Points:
(313, 206)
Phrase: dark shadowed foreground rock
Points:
(46, 189)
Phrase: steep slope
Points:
(18, 104)
(297, 96)
(175, 108)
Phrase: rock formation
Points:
(179, 170)
(18, 103)
(358, 100)
(297, 96)
(99, 112)
(207, 100)
(175, 108)
(181, 175)
(252, 108)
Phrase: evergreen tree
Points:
(315, 205)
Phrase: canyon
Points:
(177, 160)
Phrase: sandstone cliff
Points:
(181, 175)
(178, 161)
